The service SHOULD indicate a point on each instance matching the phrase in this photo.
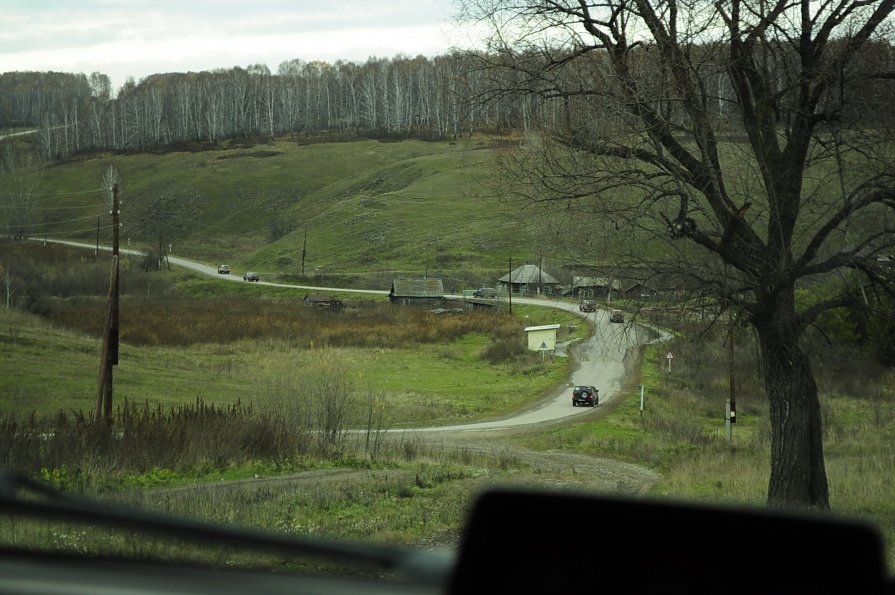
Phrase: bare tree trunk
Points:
(798, 473)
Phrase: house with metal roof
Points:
(599, 288)
(529, 278)
(417, 291)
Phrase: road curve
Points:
(600, 358)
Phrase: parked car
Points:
(485, 292)
(250, 276)
(616, 316)
(223, 269)
(585, 395)
(587, 306)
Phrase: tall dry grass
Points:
(304, 415)
(187, 321)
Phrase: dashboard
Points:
(515, 541)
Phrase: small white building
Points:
(542, 338)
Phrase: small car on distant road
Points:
(250, 276)
(587, 306)
(485, 292)
(585, 395)
(223, 269)
(616, 316)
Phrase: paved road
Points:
(600, 359)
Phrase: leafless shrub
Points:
(192, 436)
(374, 426)
(330, 395)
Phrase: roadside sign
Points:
(669, 357)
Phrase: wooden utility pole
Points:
(731, 362)
(304, 250)
(510, 285)
(103, 409)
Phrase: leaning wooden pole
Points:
(109, 359)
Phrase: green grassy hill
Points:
(366, 207)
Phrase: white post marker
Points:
(727, 421)
(669, 357)
(641, 400)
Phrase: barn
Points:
(426, 292)
(323, 301)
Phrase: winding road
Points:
(600, 361)
(600, 358)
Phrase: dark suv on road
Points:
(585, 395)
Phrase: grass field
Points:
(228, 344)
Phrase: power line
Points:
(32, 206)
(46, 223)
(53, 194)
(78, 231)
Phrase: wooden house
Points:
(427, 292)
(529, 279)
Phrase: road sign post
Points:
(669, 356)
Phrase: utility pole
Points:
(540, 274)
(510, 284)
(304, 250)
(732, 415)
(103, 409)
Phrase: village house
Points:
(529, 279)
(595, 288)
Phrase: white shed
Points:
(542, 338)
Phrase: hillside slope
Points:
(359, 207)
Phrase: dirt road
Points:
(601, 362)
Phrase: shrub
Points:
(507, 343)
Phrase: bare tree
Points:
(19, 186)
(716, 142)
(9, 286)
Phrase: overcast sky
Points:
(136, 38)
